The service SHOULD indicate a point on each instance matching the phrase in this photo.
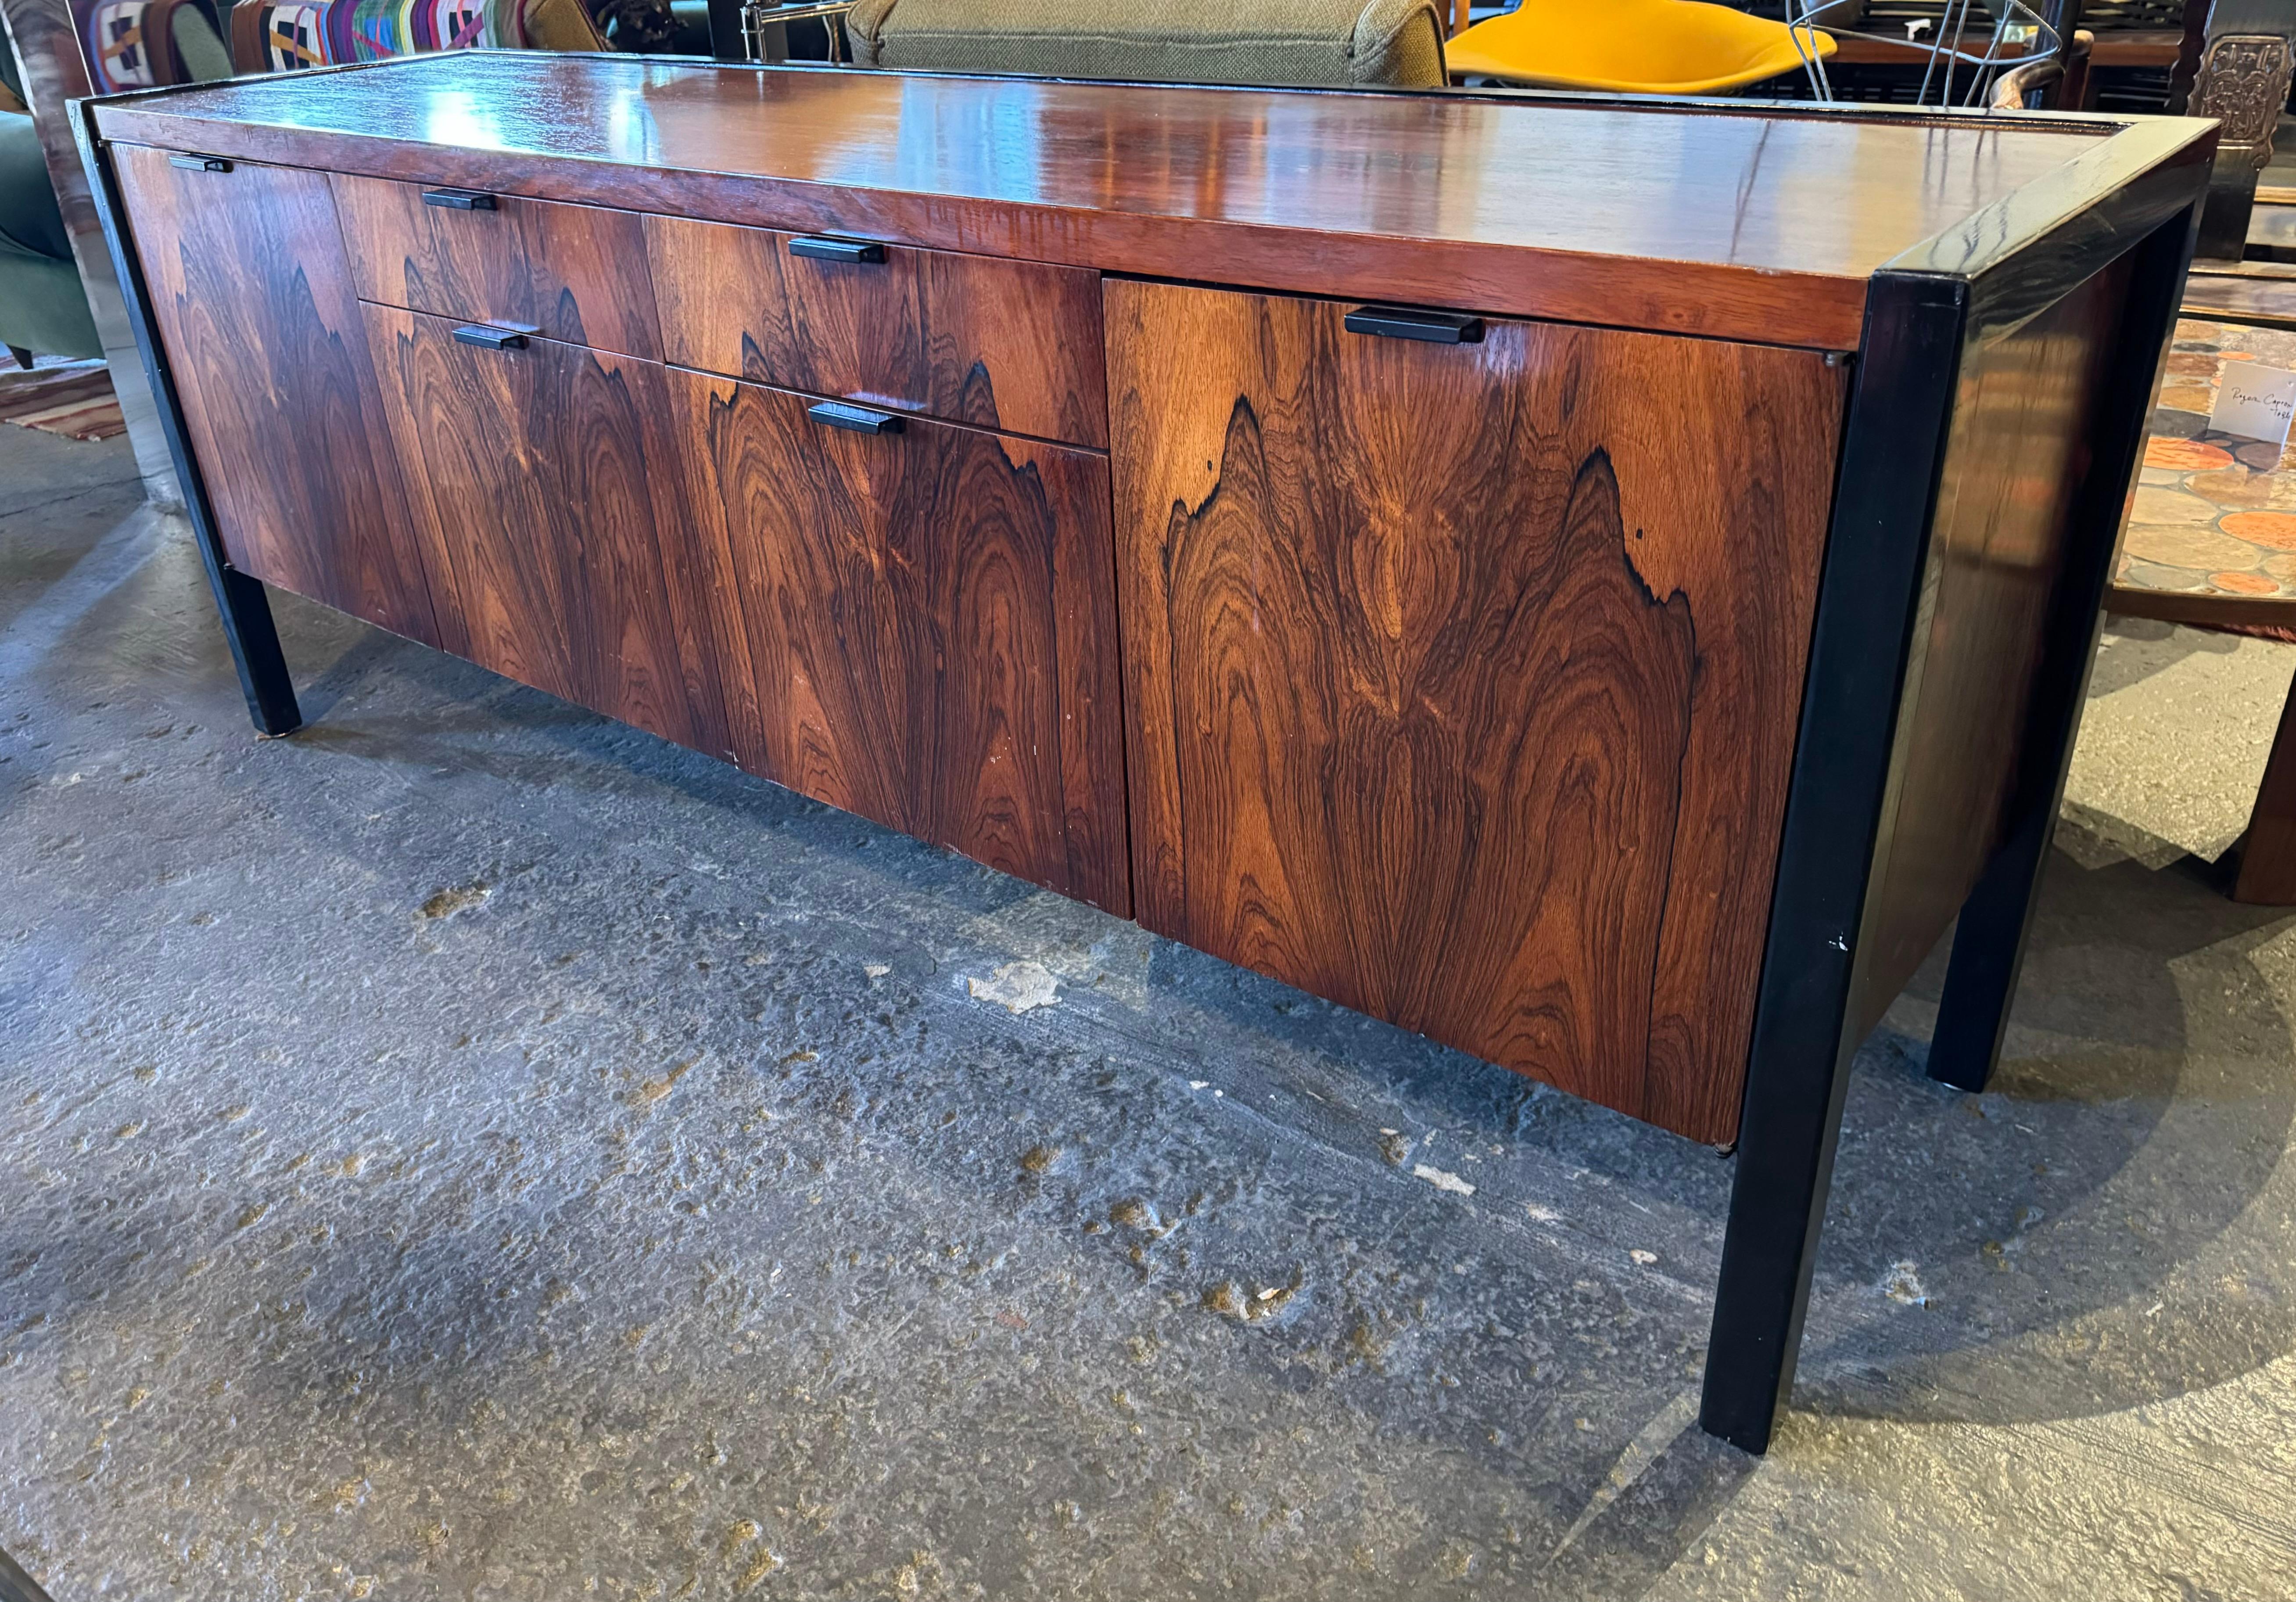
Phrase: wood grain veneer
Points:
(572, 273)
(1462, 680)
(918, 626)
(1689, 219)
(253, 301)
(547, 497)
(1009, 345)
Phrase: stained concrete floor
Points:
(470, 1150)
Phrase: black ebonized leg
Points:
(240, 601)
(16, 1585)
(1989, 950)
(1810, 1011)
(1785, 1168)
(1989, 943)
(1797, 1070)
(247, 625)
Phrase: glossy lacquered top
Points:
(1685, 218)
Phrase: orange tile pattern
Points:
(2212, 514)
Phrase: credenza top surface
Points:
(1822, 200)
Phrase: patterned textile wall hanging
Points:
(130, 43)
(278, 37)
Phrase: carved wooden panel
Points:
(2242, 82)
(918, 626)
(547, 490)
(573, 273)
(1462, 680)
(253, 301)
(1009, 345)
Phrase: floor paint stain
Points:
(1018, 987)
(1441, 1180)
(447, 903)
(654, 1089)
(1902, 1285)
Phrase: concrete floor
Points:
(472, 1150)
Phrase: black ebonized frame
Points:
(1925, 313)
(16, 1585)
(242, 602)
(1989, 947)
(2139, 191)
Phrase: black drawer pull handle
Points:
(1405, 323)
(820, 247)
(493, 339)
(200, 163)
(860, 419)
(459, 200)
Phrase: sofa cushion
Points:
(1330, 42)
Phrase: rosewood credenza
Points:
(1603, 584)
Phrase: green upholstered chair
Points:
(1319, 43)
(43, 309)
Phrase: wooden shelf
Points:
(2251, 300)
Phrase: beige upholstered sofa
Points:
(1327, 43)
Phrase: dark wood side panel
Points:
(2014, 460)
(918, 626)
(573, 273)
(2267, 855)
(2200, 609)
(1462, 680)
(1009, 345)
(253, 300)
(548, 492)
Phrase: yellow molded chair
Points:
(1633, 47)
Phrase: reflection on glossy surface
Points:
(1832, 195)
(456, 117)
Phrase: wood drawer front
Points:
(545, 486)
(570, 273)
(918, 626)
(247, 280)
(1462, 680)
(1008, 345)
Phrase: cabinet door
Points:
(919, 627)
(253, 300)
(548, 488)
(1463, 679)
